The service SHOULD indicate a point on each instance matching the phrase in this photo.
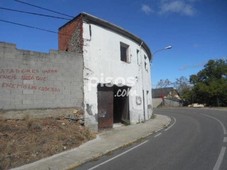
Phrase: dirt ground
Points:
(25, 141)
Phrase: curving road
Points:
(196, 140)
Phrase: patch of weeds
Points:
(153, 116)
(27, 140)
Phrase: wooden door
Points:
(105, 107)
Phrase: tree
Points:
(181, 84)
(210, 84)
(184, 88)
(164, 83)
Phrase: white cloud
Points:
(177, 6)
(186, 67)
(146, 9)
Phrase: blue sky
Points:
(197, 29)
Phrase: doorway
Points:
(121, 104)
(113, 106)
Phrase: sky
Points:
(196, 29)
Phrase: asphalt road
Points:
(196, 140)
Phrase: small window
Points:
(124, 52)
(145, 63)
(137, 54)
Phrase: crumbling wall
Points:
(70, 36)
(34, 80)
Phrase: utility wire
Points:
(33, 27)
(33, 13)
(56, 12)
(28, 26)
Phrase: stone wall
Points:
(70, 36)
(34, 80)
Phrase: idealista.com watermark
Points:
(108, 81)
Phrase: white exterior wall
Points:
(102, 64)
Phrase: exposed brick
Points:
(70, 36)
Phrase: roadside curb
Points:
(122, 146)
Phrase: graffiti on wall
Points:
(10, 77)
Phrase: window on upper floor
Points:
(137, 55)
(145, 63)
(124, 48)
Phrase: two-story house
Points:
(116, 71)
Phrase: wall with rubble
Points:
(34, 80)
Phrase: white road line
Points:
(225, 139)
(158, 130)
(117, 156)
(174, 121)
(222, 125)
(220, 159)
(223, 149)
(157, 135)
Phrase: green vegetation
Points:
(210, 84)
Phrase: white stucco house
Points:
(116, 71)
